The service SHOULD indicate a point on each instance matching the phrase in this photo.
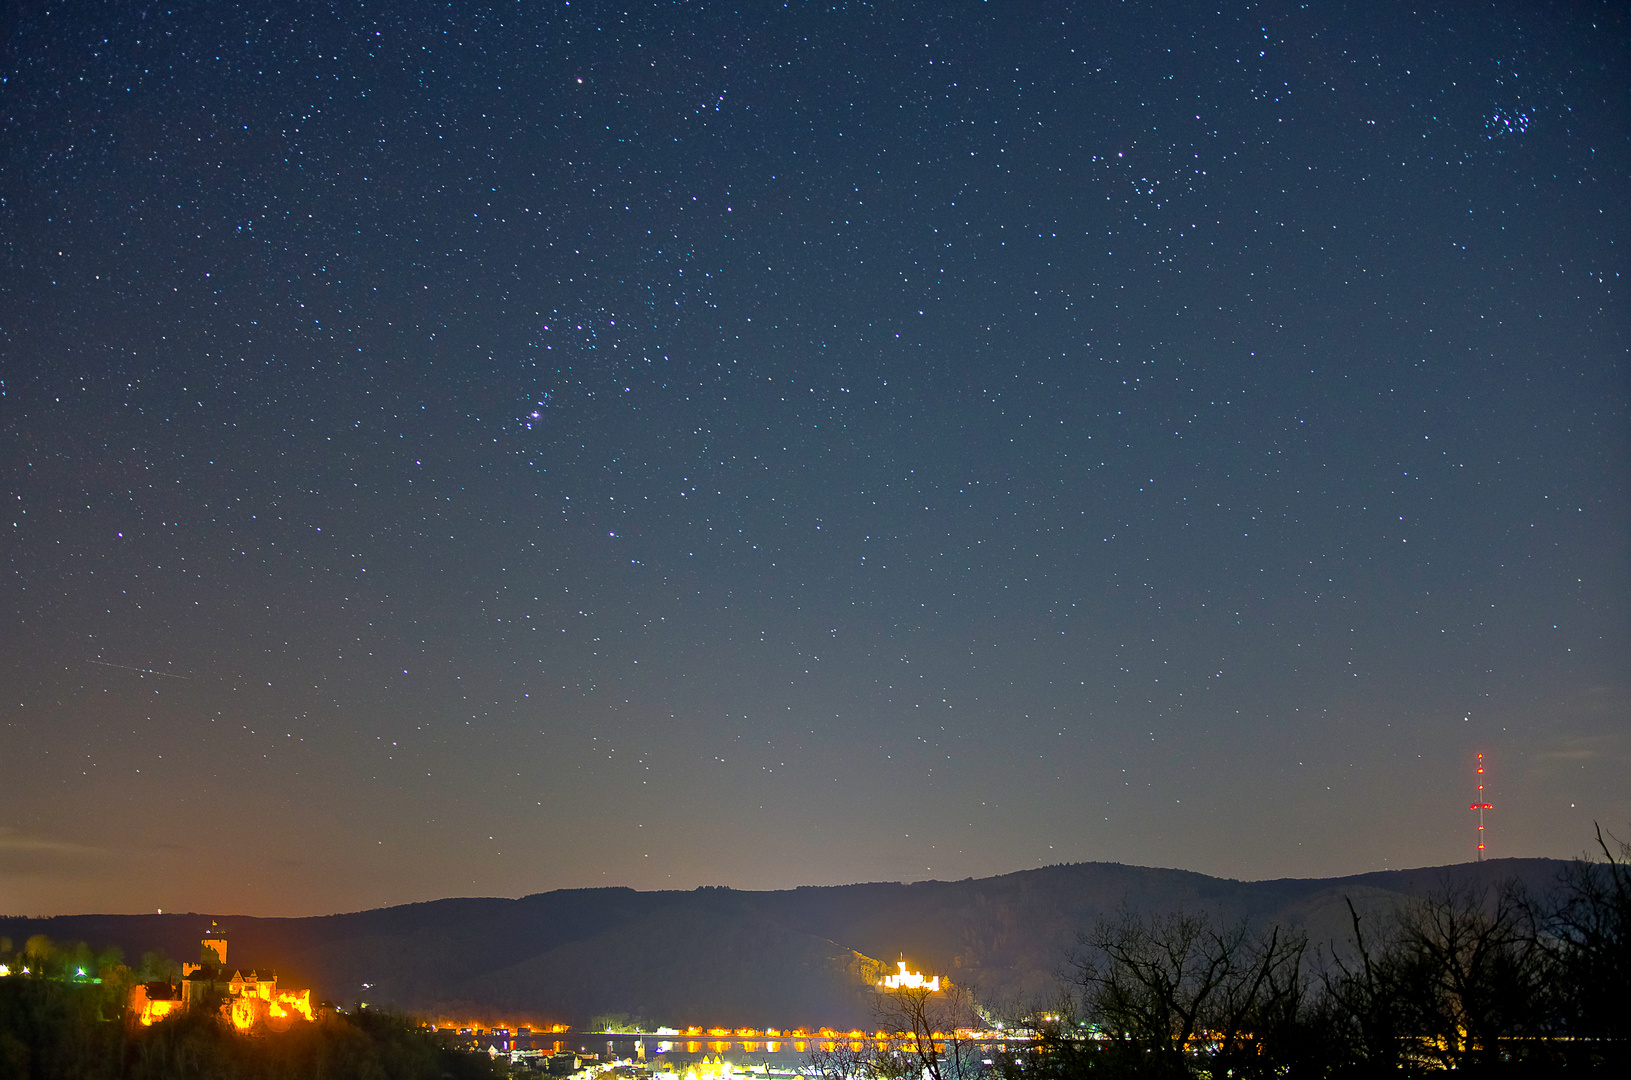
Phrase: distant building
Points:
(248, 997)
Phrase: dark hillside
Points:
(723, 957)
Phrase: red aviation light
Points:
(1480, 806)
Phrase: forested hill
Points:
(724, 957)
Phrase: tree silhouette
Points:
(1588, 931)
(1177, 992)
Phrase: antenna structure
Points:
(1481, 806)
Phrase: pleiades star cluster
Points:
(459, 449)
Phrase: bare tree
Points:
(1473, 973)
(1590, 933)
(931, 1029)
(1180, 993)
(1362, 991)
(1054, 1044)
(843, 1062)
(1456, 980)
(927, 1039)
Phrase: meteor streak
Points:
(144, 671)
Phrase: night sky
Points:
(459, 449)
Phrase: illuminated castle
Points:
(909, 980)
(250, 997)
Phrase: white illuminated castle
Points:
(910, 980)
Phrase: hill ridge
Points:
(722, 956)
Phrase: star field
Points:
(478, 449)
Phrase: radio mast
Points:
(1481, 805)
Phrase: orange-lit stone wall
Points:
(146, 1009)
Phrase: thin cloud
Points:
(25, 854)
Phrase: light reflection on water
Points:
(760, 1056)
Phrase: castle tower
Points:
(212, 951)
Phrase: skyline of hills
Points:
(726, 957)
